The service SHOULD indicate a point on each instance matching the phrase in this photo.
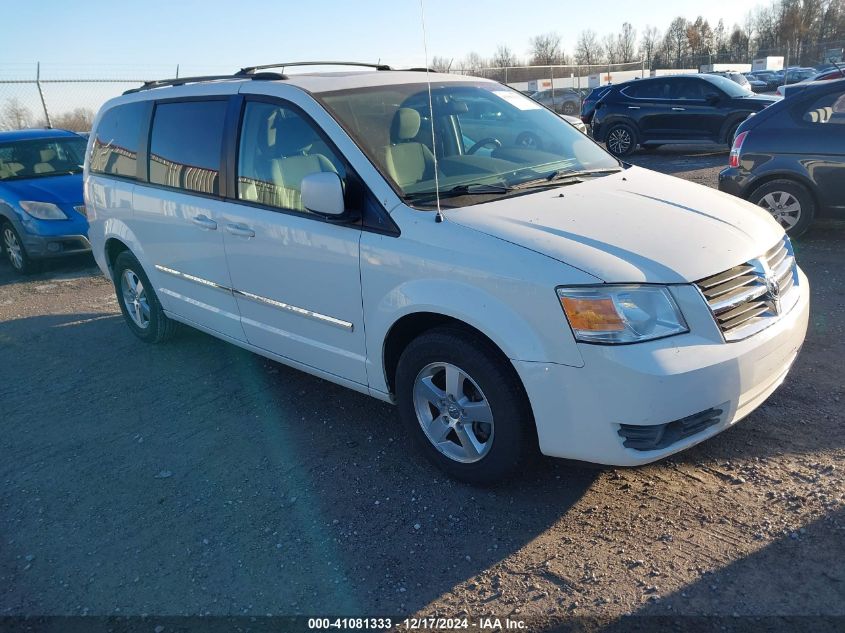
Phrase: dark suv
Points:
(674, 109)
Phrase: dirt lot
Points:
(196, 478)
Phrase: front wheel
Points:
(789, 202)
(463, 406)
(15, 251)
(621, 140)
(138, 301)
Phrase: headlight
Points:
(621, 314)
(43, 210)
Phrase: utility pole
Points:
(41, 94)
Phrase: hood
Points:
(636, 226)
(761, 100)
(65, 189)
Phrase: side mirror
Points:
(322, 193)
(712, 98)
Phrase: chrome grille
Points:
(748, 298)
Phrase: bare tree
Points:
(77, 120)
(15, 115)
(649, 43)
(676, 40)
(440, 64)
(546, 50)
(611, 49)
(503, 57)
(588, 50)
(626, 43)
(472, 64)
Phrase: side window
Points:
(827, 109)
(654, 89)
(278, 147)
(115, 147)
(691, 89)
(185, 145)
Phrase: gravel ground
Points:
(196, 478)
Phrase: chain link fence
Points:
(577, 76)
(68, 96)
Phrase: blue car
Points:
(42, 214)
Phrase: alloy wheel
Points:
(783, 206)
(619, 141)
(13, 248)
(135, 298)
(453, 412)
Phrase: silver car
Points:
(561, 100)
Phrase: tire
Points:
(729, 139)
(138, 302)
(621, 139)
(469, 449)
(789, 202)
(15, 252)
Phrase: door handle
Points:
(205, 222)
(679, 109)
(633, 107)
(241, 230)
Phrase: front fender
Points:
(503, 290)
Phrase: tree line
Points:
(803, 31)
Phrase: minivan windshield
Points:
(490, 140)
(41, 158)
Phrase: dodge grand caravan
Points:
(506, 296)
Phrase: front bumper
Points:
(48, 246)
(579, 410)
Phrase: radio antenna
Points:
(439, 216)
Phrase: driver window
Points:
(278, 148)
(692, 90)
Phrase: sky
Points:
(112, 37)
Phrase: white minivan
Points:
(449, 245)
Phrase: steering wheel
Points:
(483, 142)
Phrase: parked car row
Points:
(787, 155)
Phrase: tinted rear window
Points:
(185, 145)
(653, 89)
(116, 139)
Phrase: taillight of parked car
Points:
(736, 149)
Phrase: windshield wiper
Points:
(564, 177)
(471, 189)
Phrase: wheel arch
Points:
(785, 175)
(114, 247)
(410, 326)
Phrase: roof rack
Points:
(250, 70)
(181, 81)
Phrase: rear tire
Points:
(621, 139)
(138, 301)
(789, 202)
(729, 139)
(484, 431)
